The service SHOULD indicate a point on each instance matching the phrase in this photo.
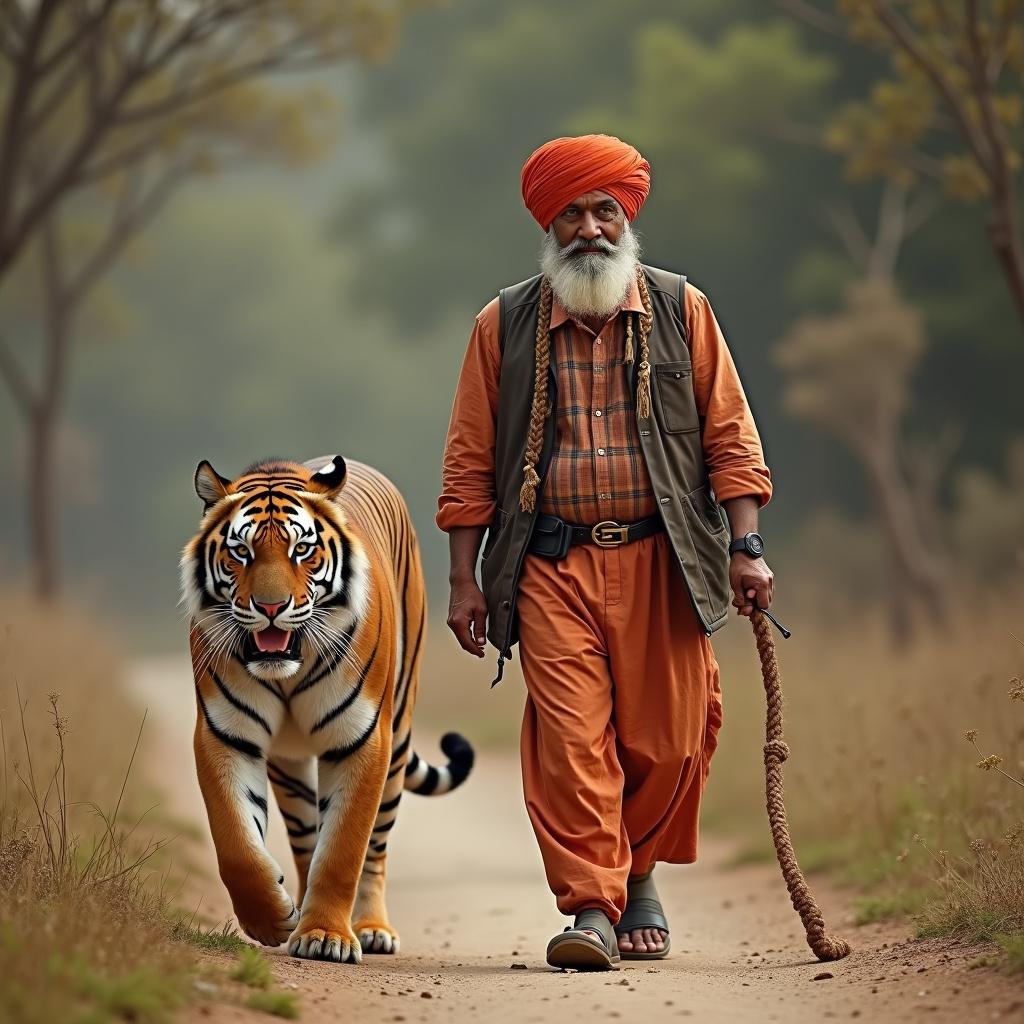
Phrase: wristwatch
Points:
(750, 543)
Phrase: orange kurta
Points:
(623, 699)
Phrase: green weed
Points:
(253, 969)
(279, 1004)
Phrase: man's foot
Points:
(642, 940)
(642, 930)
(589, 945)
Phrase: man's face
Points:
(590, 255)
(592, 215)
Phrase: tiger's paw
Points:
(310, 943)
(269, 925)
(377, 936)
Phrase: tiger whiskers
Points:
(331, 641)
(217, 642)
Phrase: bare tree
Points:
(850, 373)
(116, 102)
(952, 110)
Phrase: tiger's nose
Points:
(269, 608)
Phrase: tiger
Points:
(307, 619)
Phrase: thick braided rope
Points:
(539, 406)
(823, 945)
(643, 386)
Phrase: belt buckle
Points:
(609, 534)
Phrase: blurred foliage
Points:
(932, 48)
(834, 363)
(304, 311)
(950, 108)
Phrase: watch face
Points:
(755, 546)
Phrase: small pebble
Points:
(823, 976)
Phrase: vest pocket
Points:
(710, 513)
(678, 405)
(501, 517)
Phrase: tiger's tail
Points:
(428, 780)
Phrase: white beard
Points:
(591, 284)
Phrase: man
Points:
(598, 423)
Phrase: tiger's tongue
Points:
(272, 640)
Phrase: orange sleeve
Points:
(467, 474)
(732, 448)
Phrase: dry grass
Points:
(84, 932)
(880, 759)
(87, 927)
(58, 648)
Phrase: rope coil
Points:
(823, 945)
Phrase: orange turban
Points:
(563, 169)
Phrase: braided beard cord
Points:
(539, 405)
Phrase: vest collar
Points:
(631, 305)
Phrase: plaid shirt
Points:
(732, 449)
(597, 469)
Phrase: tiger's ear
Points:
(210, 485)
(330, 478)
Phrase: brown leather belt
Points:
(552, 537)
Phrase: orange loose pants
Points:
(622, 716)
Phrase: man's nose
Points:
(269, 608)
(589, 227)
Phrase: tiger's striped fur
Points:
(307, 623)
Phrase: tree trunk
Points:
(43, 517)
(1006, 241)
(42, 503)
(922, 570)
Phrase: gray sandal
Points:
(643, 910)
(579, 949)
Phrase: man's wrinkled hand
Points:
(467, 616)
(751, 580)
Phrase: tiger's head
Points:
(274, 573)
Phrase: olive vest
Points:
(670, 441)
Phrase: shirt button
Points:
(603, 497)
(598, 369)
(599, 341)
(597, 412)
(600, 451)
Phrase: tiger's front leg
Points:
(350, 783)
(233, 780)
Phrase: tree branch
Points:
(1000, 171)
(17, 107)
(125, 225)
(17, 381)
(851, 235)
(905, 38)
(75, 38)
(179, 100)
(813, 16)
(890, 233)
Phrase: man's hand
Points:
(750, 579)
(467, 616)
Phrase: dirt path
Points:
(468, 896)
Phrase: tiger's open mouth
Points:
(271, 644)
